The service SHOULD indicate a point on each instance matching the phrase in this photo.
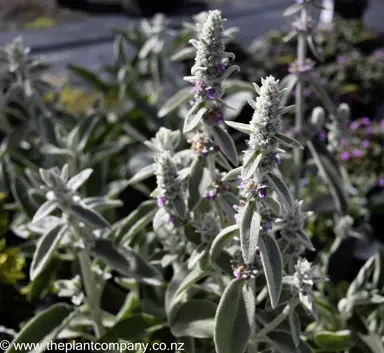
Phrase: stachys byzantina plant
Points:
(245, 217)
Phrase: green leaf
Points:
(288, 142)
(295, 325)
(250, 164)
(132, 328)
(282, 341)
(90, 77)
(89, 216)
(198, 256)
(333, 341)
(20, 192)
(138, 226)
(281, 190)
(178, 203)
(45, 248)
(221, 239)
(234, 174)
(125, 224)
(184, 54)
(194, 182)
(235, 317)
(272, 265)
(249, 231)
(79, 179)
(175, 101)
(143, 174)
(195, 318)
(42, 325)
(127, 262)
(193, 120)
(292, 9)
(45, 210)
(42, 284)
(245, 128)
(329, 170)
(226, 144)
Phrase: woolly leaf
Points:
(175, 102)
(141, 175)
(245, 128)
(329, 170)
(195, 318)
(249, 231)
(221, 239)
(288, 141)
(89, 216)
(294, 324)
(193, 120)
(272, 265)
(250, 164)
(281, 189)
(127, 262)
(235, 317)
(226, 144)
(194, 182)
(41, 326)
(45, 248)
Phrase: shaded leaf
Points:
(45, 248)
(272, 265)
(89, 216)
(234, 318)
(175, 101)
(281, 190)
(226, 144)
(193, 120)
(143, 174)
(38, 328)
(194, 182)
(221, 239)
(249, 231)
(195, 318)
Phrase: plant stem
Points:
(275, 322)
(299, 101)
(91, 291)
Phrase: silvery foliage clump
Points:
(217, 255)
(232, 213)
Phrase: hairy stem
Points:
(91, 291)
(299, 101)
(275, 322)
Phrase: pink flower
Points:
(365, 143)
(345, 155)
(357, 153)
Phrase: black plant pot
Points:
(351, 8)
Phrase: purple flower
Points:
(197, 88)
(355, 125)
(345, 155)
(357, 153)
(161, 201)
(172, 222)
(341, 59)
(211, 93)
(261, 190)
(378, 52)
(219, 118)
(344, 142)
(382, 124)
(323, 135)
(276, 157)
(237, 273)
(380, 182)
(267, 225)
(210, 194)
(365, 143)
(369, 130)
(222, 68)
(365, 121)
